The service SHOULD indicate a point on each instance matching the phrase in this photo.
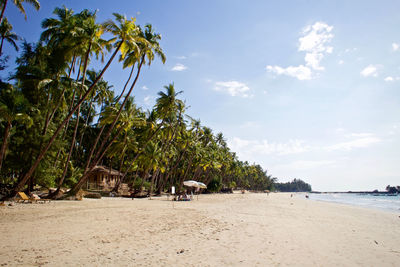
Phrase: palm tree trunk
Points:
(23, 181)
(71, 105)
(207, 179)
(120, 165)
(152, 181)
(1, 46)
(185, 174)
(2, 11)
(61, 181)
(178, 160)
(197, 172)
(73, 96)
(165, 148)
(4, 145)
(122, 93)
(120, 110)
(85, 175)
(141, 151)
(90, 158)
(86, 121)
(46, 121)
(117, 184)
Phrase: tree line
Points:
(60, 118)
(296, 185)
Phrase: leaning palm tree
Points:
(7, 35)
(126, 40)
(131, 38)
(18, 4)
(147, 45)
(42, 153)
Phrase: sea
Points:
(382, 202)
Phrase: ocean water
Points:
(391, 203)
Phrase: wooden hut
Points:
(103, 178)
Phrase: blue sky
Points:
(307, 89)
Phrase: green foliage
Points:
(215, 185)
(139, 183)
(296, 185)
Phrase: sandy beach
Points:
(216, 230)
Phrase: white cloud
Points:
(250, 124)
(234, 88)
(348, 50)
(341, 62)
(391, 79)
(359, 135)
(181, 57)
(370, 70)
(148, 100)
(179, 67)
(357, 140)
(300, 72)
(263, 147)
(340, 130)
(360, 142)
(395, 46)
(304, 165)
(394, 129)
(314, 42)
(144, 87)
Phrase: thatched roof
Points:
(105, 170)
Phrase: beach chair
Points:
(35, 199)
(39, 199)
(23, 198)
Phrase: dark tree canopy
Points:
(296, 185)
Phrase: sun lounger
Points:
(39, 199)
(35, 199)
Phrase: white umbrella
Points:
(201, 185)
(191, 183)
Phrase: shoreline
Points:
(388, 203)
(216, 230)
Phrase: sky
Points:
(306, 89)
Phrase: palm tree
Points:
(18, 4)
(131, 38)
(90, 40)
(101, 94)
(25, 178)
(145, 45)
(152, 157)
(60, 31)
(126, 37)
(6, 34)
(12, 105)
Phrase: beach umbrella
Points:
(201, 185)
(191, 183)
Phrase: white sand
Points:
(217, 230)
